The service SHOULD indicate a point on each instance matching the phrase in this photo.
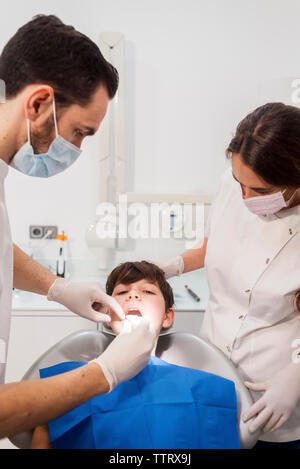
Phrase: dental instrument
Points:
(193, 294)
(61, 261)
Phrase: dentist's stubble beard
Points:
(41, 140)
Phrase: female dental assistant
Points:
(251, 254)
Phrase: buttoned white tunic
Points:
(253, 271)
(6, 274)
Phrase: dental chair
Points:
(178, 348)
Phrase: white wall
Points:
(194, 69)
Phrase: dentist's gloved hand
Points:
(281, 394)
(129, 352)
(174, 266)
(87, 299)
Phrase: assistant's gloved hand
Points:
(129, 352)
(281, 395)
(174, 266)
(87, 299)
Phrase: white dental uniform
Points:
(253, 271)
(6, 274)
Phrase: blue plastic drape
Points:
(165, 406)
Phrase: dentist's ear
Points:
(38, 103)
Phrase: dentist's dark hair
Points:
(268, 141)
(47, 51)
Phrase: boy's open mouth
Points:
(133, 310)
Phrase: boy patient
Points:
(142, 290)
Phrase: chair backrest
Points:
(178, 348)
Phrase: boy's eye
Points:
(125, 291)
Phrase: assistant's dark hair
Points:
(47, 51)
(268, 141)
(130, 272)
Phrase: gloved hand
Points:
(87, 299)
(174, 266)
(129, 352)
(282, 392)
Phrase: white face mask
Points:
(268, 204)
(60, 155)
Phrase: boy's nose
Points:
(133, 295)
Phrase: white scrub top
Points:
(6, 274)
(253, 271)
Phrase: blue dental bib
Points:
(164, 407)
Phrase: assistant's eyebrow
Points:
(253, 188)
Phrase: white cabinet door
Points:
(31, 336)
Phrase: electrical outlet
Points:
(53, 229)
(36, 231)
(40, 231)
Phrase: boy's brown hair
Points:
(130, 272)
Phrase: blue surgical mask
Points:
(60, 155)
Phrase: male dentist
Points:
(58, 86)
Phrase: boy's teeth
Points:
(133, 310)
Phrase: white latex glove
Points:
(174, 266)
(129, 352)
(280, 397)
(87, 299)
